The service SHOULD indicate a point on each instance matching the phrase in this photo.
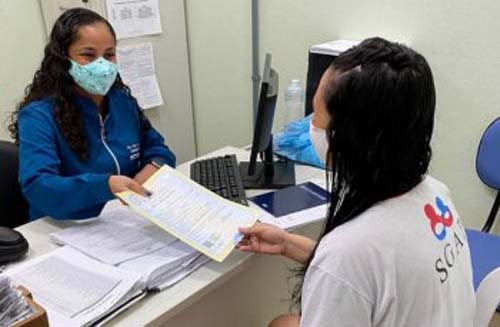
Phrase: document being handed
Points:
(193, 214)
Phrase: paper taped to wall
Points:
(134, 17)
(137, 69)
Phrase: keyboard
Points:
(220, 175)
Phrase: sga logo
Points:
(439, 221)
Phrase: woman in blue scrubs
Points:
(82, 136)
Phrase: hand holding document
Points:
(191, 213)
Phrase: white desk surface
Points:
(157, 307)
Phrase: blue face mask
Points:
(96, 77)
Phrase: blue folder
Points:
(292, 199)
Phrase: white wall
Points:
(23, 38)
(220, 56)
(458, 38)
(174, 119)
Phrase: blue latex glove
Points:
(295, 144)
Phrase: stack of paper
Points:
(116, 236)
(167, 266)
(109, 262)
(122, 238)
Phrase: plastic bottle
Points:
(294, 101)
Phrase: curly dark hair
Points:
(382, 118)
(52, 80)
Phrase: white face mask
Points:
(319, 141)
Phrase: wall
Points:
(220, 57)
(23, 39)
(458, 38)
(174, 119)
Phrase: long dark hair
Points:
(382, 118)
(53, 81)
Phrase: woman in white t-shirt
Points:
(393, 251)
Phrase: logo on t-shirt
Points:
(441, 221)
(440, 218)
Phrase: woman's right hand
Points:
(263, 238)
(119, 183)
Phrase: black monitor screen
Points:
(268, 173)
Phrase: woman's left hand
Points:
(145, 173)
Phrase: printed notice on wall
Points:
(132, 18)
(137, 69)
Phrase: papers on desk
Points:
(106, 264)
(165, 267)
(75, 289)
(117, 236)
(198, 217)
(122, 238)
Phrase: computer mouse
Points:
(13, 245)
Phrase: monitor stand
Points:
(268, 174)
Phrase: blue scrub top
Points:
(55, 182)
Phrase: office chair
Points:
(13, 206)
(485, 259)
(488, 166)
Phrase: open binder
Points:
(97, 273)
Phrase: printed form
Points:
(119, 235)
(133, 18)
(198, 217)
(137, 68)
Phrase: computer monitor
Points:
(267, 173)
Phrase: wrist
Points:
(157, 163)
(298, 248)
(286, 247)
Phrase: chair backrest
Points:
(488, 156)
(487, 166)
(13, 207)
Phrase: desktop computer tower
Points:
(320, 58)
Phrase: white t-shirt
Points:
(405, 262)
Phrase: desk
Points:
(241, 303)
